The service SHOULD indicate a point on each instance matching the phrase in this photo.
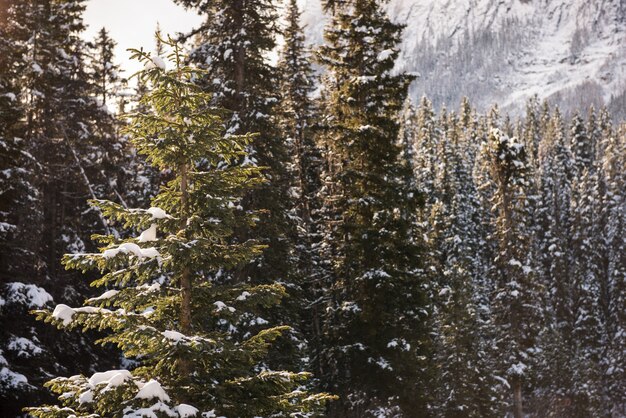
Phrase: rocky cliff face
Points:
(572, 52)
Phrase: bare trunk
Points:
(518, 408)
(185, 278)
(240, 59)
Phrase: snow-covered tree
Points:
(232, 45)
(296, 115)
(376, 310)
(516, 300)
(60, 148)
(165, 304)
(462, 389)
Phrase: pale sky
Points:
(132, 23)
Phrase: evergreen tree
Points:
(516, 300)
(581, 145)
(232, 46)
(462, 388)
(296, 115)
(374, 323)
(60, 150)
(105, 71)
(613, 270)
(166, 306)
(17, 348)
(425, 146)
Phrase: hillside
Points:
(572, 52)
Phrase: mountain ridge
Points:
(571, 52)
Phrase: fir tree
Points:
(59, 149)
(462, 389)
(516, 299)
(581, 145)
(232, 46)
(165, 306)
(296, 115)
(375, 316)
(613, 268)
(18, 349)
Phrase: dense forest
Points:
(242, 238)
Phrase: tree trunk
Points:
(185, 278)
(518, 408)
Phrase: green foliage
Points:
(167, 307)
(375, 293)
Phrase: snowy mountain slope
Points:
(572, 52)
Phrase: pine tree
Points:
(232, 46)
(462, 389)
(59, 150)
(375, 316)
(516, 299)
(166, 306)
(297, 117)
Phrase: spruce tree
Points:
(516, 300)
(613, 267)
(581, 145)
(374, 324)
(462, 389)
(165, 305)
(59, 150)
(297, 118)
(232, 46)
(105, 70)
(18, 348)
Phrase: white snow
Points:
(27, 294)
(514, 262)
(157, 213)
(110, 253)
(385, 54)
(63, 313)
(542, 64)
(517, 369)
(152, 390)
(150, 252)
(220, 306)
(12, 379)
(154, 287)
(155, 62)
(131, 248)
(112, 378)
(85, 397)
(23, 347)
(106, 295)
(149, 234)
(244, 295)
(37, 68)
(173, 335)
(186, 411)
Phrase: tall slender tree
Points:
(60, 150)
(516, 299)
(374, 325)
(232, 46)
(296, 114)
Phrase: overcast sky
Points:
(132, 23)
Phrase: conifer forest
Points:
(226, 234)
